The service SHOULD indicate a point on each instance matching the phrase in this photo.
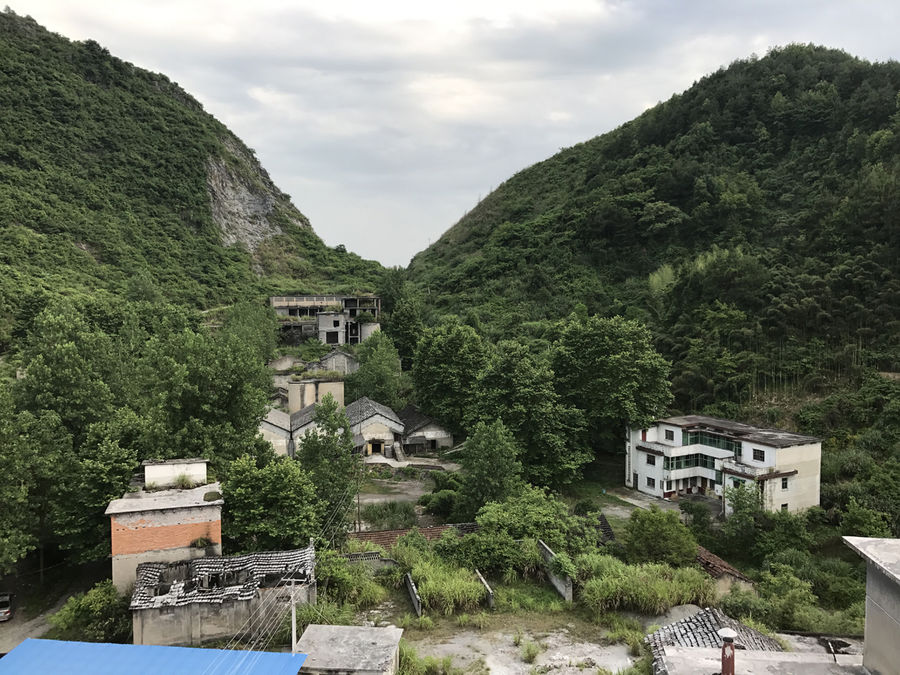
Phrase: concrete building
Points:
(350, 650)
(339, 319)
(422, 433)
(694, 454)
(337, 361)
(160, 522)
(376, 428)
(303, 393)
(195, 601)
(881, 654)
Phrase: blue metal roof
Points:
(100, 658)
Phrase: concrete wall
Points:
(803, 489)
(563, 585)
(199, 622)
(278, 437)
(326, 321)
(882, 649)
(145, 536)
(366, 330)
(307, 392)
(376, 428)
(167, 474)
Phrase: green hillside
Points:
(752, 221)
(113, 178)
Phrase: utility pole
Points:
(293, 620)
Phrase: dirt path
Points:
(15, 630)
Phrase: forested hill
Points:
(755, 219)
(114, 178)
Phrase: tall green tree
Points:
(448, 360)
(326, 452)
(517, 387)
(405, 326)
(379, 375)
(16, 536)
(609, 369)
(492, 468)
(271, 508)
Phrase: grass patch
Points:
(390, 515)
(524, 596)
(446, 588)
(413, 664)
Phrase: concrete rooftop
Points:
(136, 502)
(883, 553)
(349, 648)
(775, 438)
(704, 661)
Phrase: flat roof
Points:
(136, 502)
(349, 648)
(776, 438)
(705, 661)
(883, 553)
(160, 462)
(103, 658)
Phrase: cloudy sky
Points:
(386, 120)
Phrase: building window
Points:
(670, 435)
(337, 323)
(651, 460)
(651, 482)
(668, 486)
(784, 507)
(759, 455)
(784, 484)
(736, 482)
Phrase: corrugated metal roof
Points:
(100, 658)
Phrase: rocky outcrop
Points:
(243, 198)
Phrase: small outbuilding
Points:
(350, 650)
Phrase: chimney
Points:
(727, 635)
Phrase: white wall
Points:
(167, 474)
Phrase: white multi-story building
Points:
(694, 454)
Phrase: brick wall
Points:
(160, 530)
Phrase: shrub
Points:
(591, 565)
(488, 552)
(408, 472)
(390, 515)
(561, 565)
(585, 506)
(530, 651)
(345, 582)
(100, 615)
(659, 536)
(441, 504)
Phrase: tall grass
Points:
(389, 515)
(446, 588)
(649, 588)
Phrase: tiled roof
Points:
(278, 418)
(303, 417)
(216, 579)
(715, 566)
(387, 538)
(701, 629)
(606, 529)
(413, 418)
(364, 408)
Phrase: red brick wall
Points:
(145, 535)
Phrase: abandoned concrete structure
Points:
(151, 524)
(194, 601)
(422, 433)
(697, 454)
(376, 428)
(350, 650)
(333, 319)
(881, 654)
(307, 392)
